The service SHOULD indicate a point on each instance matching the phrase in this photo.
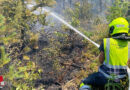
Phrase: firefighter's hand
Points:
(101, 57)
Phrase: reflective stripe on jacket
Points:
(116, 53)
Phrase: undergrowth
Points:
(61, 59)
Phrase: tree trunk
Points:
(100, 5)
(70, 3)
(63, 4)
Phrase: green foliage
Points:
(118, 9)
(85, 10)
(80, 11)
(121, 85)
(18, 74)
(17, 40)
(57, 66)
(2, 22)
(112, 85)
(74, 14)
(4, 57)
(42, 3)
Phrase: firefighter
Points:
(114, 56)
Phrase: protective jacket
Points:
(117, 53)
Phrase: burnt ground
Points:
(68, 64)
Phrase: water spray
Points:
(77, 31)
(70, 26)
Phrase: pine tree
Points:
(16, 38)
(3, 40)
(118, 9)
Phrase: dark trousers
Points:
(96, 79)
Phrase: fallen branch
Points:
(73, 65)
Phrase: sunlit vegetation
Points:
(19, 69)
(40, 60)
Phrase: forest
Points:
(40, 48)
